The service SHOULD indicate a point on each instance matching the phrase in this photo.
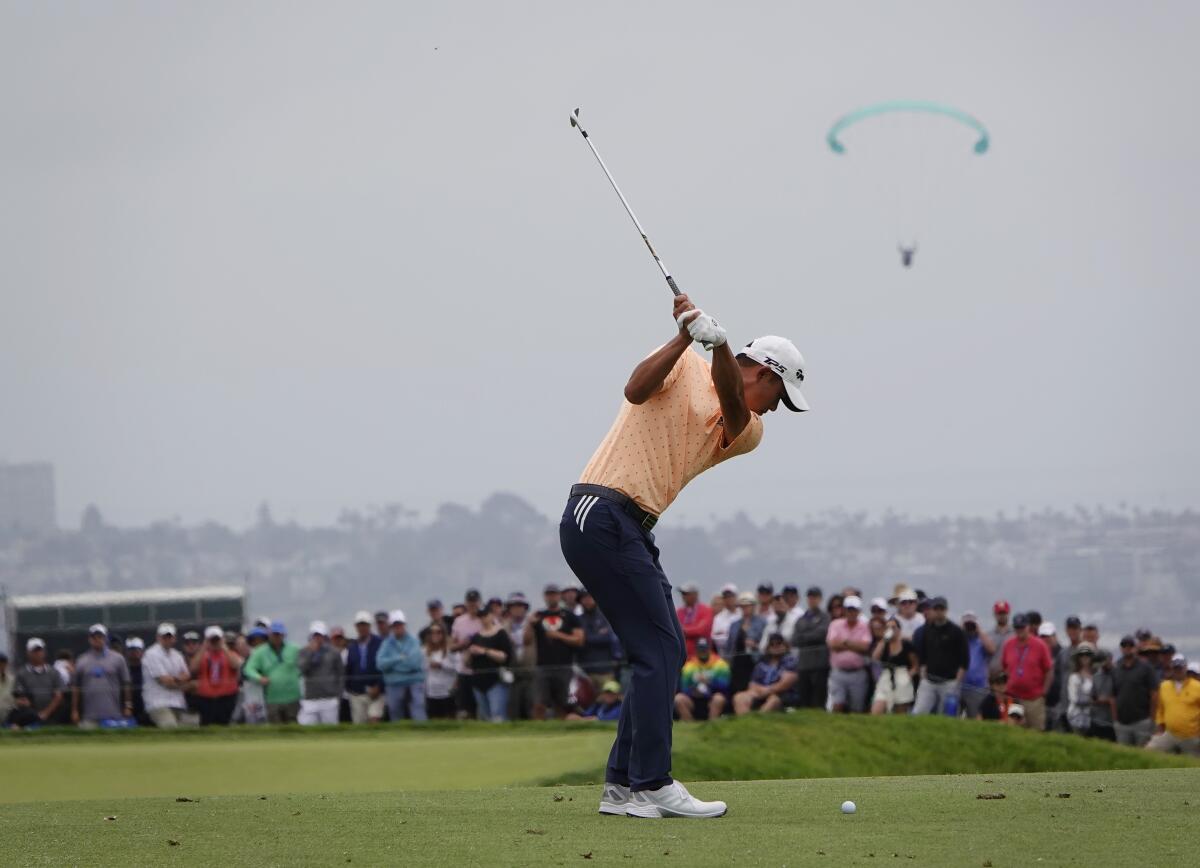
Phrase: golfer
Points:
(681, 416)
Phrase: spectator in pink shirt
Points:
(849, 639)
(695, 617)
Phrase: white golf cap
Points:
(135, 642)
(1179, 660)
(1194, 667)
(34, 644)
(318, 628)
(363, 617)
(729, 588)
(782, 357)
(166, 628)
(1016, 710)
(852, 602)
(213, 632)
(98, 628)
(397, 617)
(1047, 629)
(879, 603)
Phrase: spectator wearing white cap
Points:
(215, 668)
(321, 666)
(165, 678)
(1177, 716)
(135, 649)
(101, 690)
(906, 612)
(40, 682)
(849, 641)
(725, 616)
(364, 682)
(402, 663)
(695, 617)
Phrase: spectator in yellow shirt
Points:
(1178, 715)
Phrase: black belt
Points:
(645, 519)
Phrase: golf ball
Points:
(848, 807)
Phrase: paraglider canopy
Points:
(911, 150)
(981, 145)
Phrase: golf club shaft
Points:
(661, 266)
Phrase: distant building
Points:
(27, 497)
(62, 620)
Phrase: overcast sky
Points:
(329, 255)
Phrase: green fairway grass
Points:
(257, 761)
(1045, 819)
(233, 761)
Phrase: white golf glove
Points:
(702, 328)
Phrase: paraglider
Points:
(915, 153)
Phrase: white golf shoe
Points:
(614, 800)
(672, 800)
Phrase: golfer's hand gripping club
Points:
(700, 326)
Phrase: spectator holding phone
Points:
(894, 690)
(215, 668)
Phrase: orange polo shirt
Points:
(656, 448)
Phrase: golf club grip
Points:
(671, 283)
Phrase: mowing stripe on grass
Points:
(83, 769)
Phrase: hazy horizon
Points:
(327, 256)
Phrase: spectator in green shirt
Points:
(274, 665)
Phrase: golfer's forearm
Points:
(728, 381)
(649, 375)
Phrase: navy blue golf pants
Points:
(618, 563)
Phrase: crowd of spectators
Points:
(747, 653)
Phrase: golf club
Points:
(662, 267)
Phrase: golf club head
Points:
(575, 119)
